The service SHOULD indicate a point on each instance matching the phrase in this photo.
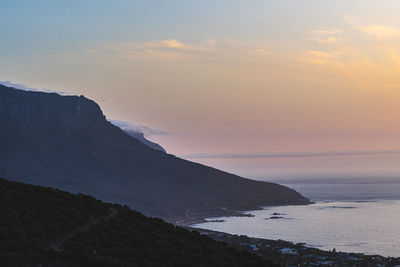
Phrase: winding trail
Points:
(56, 246)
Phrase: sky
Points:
(224, 77)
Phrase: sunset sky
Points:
(224, 76)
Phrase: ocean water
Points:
(352, 216)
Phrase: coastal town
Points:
(289, 254)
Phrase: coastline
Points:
(195, 219)
(201, 218)
(271, 248)
(288, 253)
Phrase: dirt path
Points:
(58, 243)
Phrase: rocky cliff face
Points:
(66, 142)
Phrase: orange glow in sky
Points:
(221, 76)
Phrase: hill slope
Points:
(66, 142)
(140, 136)
(137, 133)
(34, 218)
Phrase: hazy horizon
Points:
(308, 168)
(354, 166)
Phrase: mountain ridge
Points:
(66, 142)
(140, 136)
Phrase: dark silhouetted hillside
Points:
(33, 218)
(66, 142)
(140, 136)
(138, 133)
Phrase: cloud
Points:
(368, 66)
(320, 57)
(324, 55)
(27, 88)
(211, 42)
(171, 44)
(147, 131)
(326, 36)
(326, 40)
(160, 49)
(224, 50)
(327, 32)
(292, 154)
(263, 52)
(380, 32)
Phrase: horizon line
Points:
(297, 154)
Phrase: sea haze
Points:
(318, 165)
(351, 189)
(352, 215)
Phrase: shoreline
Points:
(201, 218)
(196, 219)
(288, 253)
(193, 223)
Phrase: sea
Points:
(360, 215)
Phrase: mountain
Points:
(140, 136)
(136, 133)
(66, 142)
(47, 227)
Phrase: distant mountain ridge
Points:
(66, 142)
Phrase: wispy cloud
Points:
(327, 32)
(166, 49)
(263, 52)
(174, 49)
(321, 57)
(171, 44)
(27, 88)
(292, 154)
(369, 66)
(378, 31)
(147, 131)
(326, 36)
(326, 40)
(211, 42)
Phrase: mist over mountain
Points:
(140, 136)
(66, 142)
(28, 88)
(138, 132)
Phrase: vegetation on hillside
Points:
(34, 218)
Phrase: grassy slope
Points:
(34, 217)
